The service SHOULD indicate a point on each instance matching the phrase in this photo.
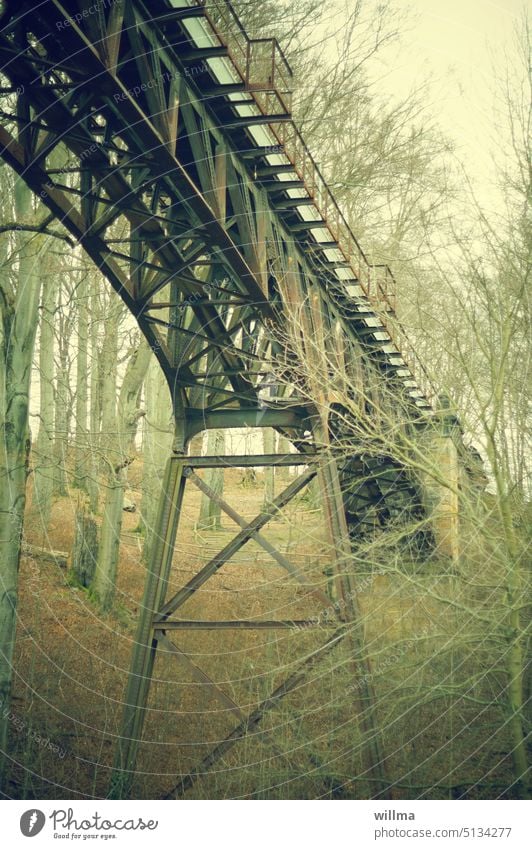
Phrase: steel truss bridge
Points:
(194, 194)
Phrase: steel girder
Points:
(182, 211)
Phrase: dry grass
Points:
(71, 669)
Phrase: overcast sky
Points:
(458, 41)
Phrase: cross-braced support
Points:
(155, 622)
(155, 610)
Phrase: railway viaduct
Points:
(195, 195)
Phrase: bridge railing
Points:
(265, 71)
(227, 26)
(382, 286)
(260, 62)
(268, 69)
(379, 288)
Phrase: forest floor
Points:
(71, 669)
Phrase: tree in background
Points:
(156, 446)
(43, 457)
(20, 287)
(210, 516)
(119, 452)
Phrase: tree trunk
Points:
(210, 511)
(268, 442)
(119, 457)
(85, 549)
(283, 447)
(515, 662)
(44, 447)
(314, 498)
(62, 400)
(95, 397)
(104, 581)
(157, 447)
(18, 323)
(108, 357)
(103, 584)
(81, 471)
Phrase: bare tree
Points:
(20, 286)
(156, 446)
(81, 468)
(120, 453)
(44, 459)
